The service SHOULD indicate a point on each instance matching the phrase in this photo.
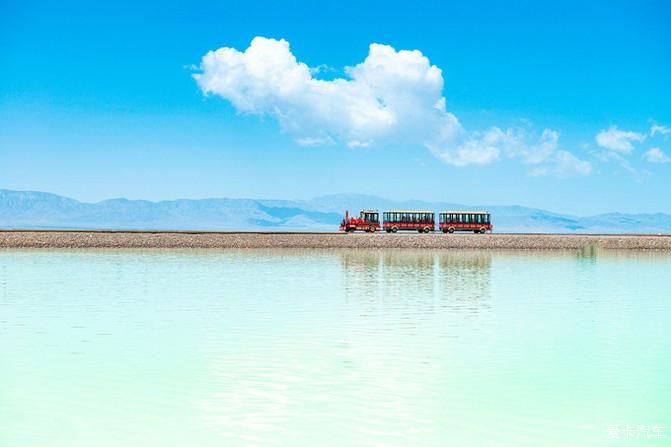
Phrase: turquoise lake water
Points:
(334, 348)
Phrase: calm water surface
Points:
(334, 348)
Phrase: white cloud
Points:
(392, 96)
(656, 155)
(564, 164)
(618, 140)
(493, 144)
(659, 129)
(309, 141)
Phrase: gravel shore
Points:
(124, 239)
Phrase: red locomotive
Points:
(368, 220)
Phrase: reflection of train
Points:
(422, 221)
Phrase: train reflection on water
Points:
(419, 281)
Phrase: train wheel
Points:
(482, 231)
(427, 229)
(450, 230)
(371, 229)
(394, 229)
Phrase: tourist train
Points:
(418, 220)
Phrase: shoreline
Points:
(76, 239)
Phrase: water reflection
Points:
(465, 277)
(421, 279)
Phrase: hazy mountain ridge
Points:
(31, 209)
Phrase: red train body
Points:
(368, 220)
(475, 221)
(422, 221)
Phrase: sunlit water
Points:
(334, 348)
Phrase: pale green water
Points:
(334, 348)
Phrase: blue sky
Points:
(563, 107)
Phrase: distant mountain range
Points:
(28, 209)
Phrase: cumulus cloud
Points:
(656, 155)
(618, 140)
(392, 96)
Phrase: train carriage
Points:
(412, 220)
(475, 221)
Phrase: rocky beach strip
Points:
(185, 239)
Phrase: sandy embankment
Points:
(128, 239)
